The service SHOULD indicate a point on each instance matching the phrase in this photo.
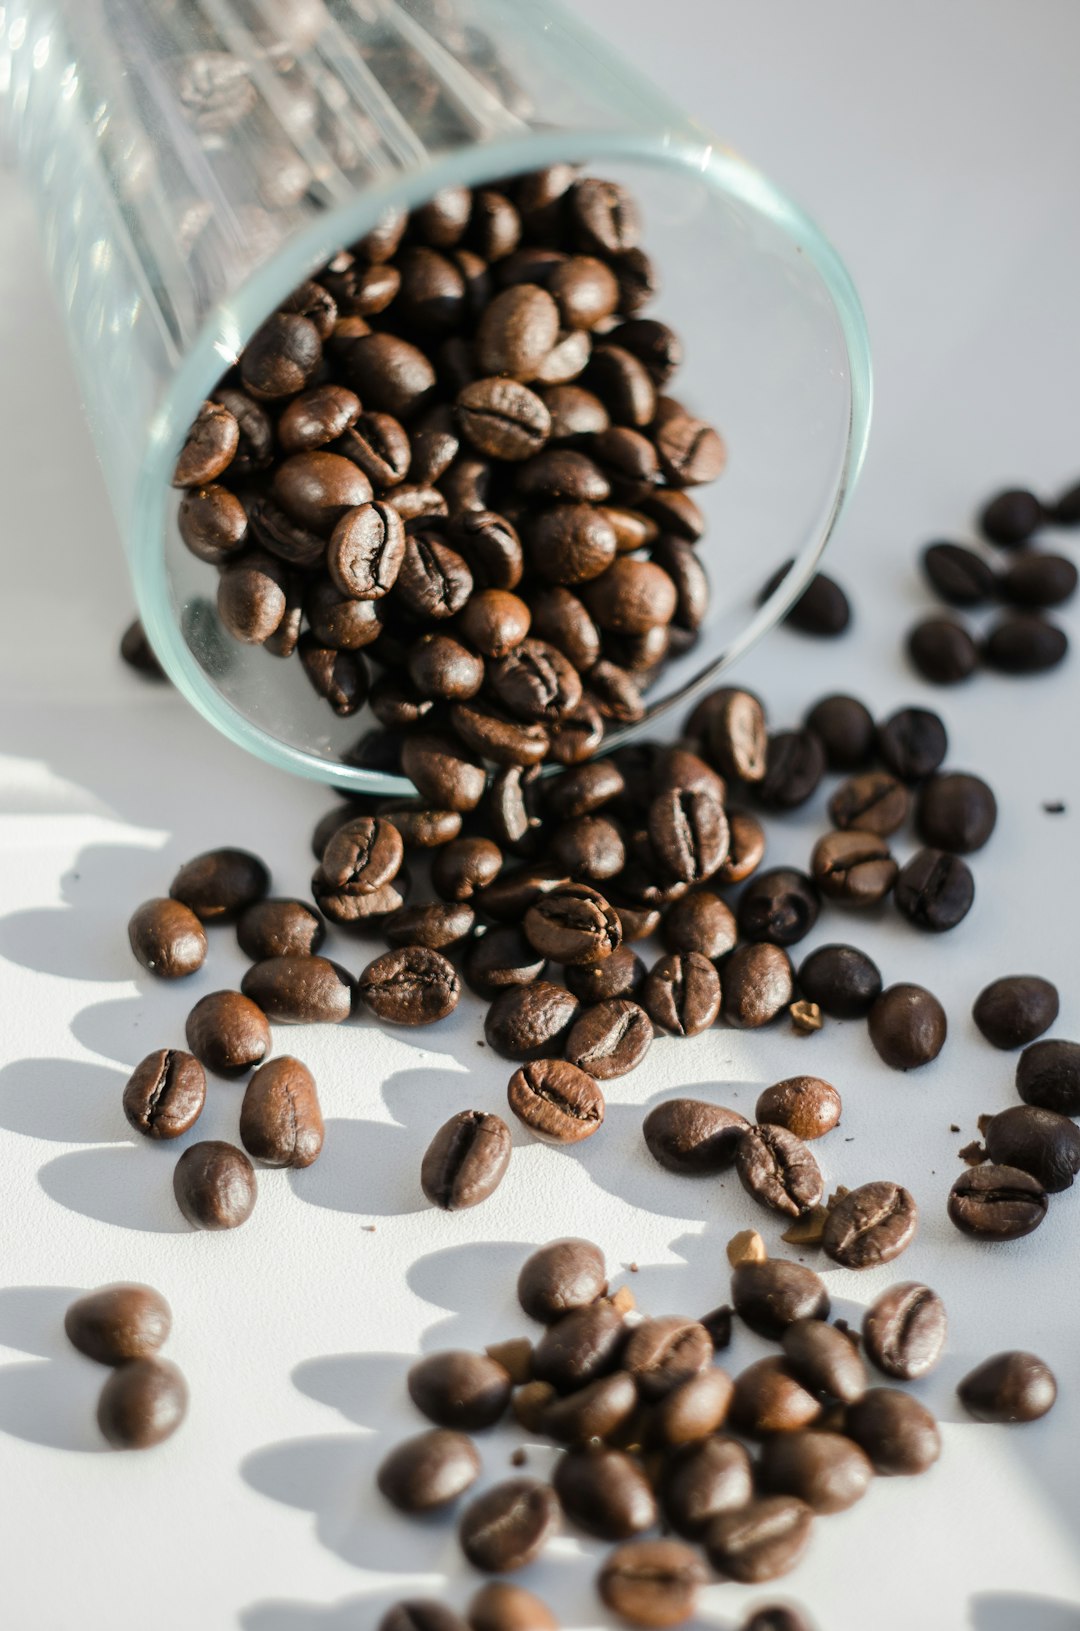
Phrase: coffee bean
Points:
(758, 985)
(778, 1170)
(443, 773)
(556, 1101)
(213, 524)
(165, 1094)
(942, 651)
(1010, 517)
(355, 911)
(934, 890)
(251, 599)
(689, 834)
(651, 1582)
(794, 766)
(389, 375)
(777, 1617)
(1039, 580)
(589, 848)
(704, 1480)
(733, 729)
(604, 1492)
(1048, 1076)
(956, 811)
(896, 1430)
(693, 1410)
(410, 986)
(301, 990)
(281, 357)
(256, 446)
(904, 1330)
(516, 332)
(137, 652)
(872, 802)
(509, 1525)
(824, 1359)
(701, 923)
(119, 1323)
(907, 1026)
(214, 1185)
(573, 924)
(822, 608)
(431, 924)
(779, 906)
(746, 848)
(825, 1470)
(959, 576)
(281, 1121)
(421, 1614)
(278, 928)
(366, 551)
(772, 1295)
(1038, 1141)
(593, 1412)
(571, 544)
(531, 1021)
(500, 1606)
(421, 826)
(142, 1403)
(625, 387)
(609, 1039)
(503, 418)
(842, 980)
(466, 1160)
(663, 1353)
(218, 885)
(362, 855)
(337, 676)
(317, 417)
(1009, 1387)
(580, 1346)
(681, 993)
(458, 1389)
(691, 452)
(228, 1033)
(620, 975)
(562, 1276)
(167, 938)
(804, 1105)
(845, 728)
(870, 1225)
(500, 958)
(912, 743)
(691, 1136)
(997, 1202)
(764, 1539)
(1014, 1010)
(428, 1471)
(208, 448)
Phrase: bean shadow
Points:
(50, 1399)
(118, 1183)
(127, 1028)
(82, 938)
(61, 1099)
(364, 1388)
(353, 1614)
(1020, 1611)
(476, 1284)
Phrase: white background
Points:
(939, 146)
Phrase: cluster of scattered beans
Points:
(125, 1326)
(1023, 641)
(653, 1433)
(452, 454)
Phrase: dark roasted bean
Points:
(956, 811)
(694, 1409)
(137, 652)
(118, 1323)
(589, 848)
(805, 1105)
(855, 868)
(317, 417)
(772, 1295)
(794, 766)
(516, 332)
(604, 1492)
(934, 890)
(907, 1026)
(556, 1101)
(466, 1160)
(503, 418)
(228, 1033)
(300, 990)
(872, 802)
(1009, 1387)
(276, 928)
(410, 986)
(870, 1225)
(651, 1582)
(826, 1470)
(689, 834)
(142, 1403)
(531, 1021)
(218, 885)
(281, 357)
(778, 1170)
(746, 848)
(610, 1039)
(896, 1431)
(1048, 1075)
(214, 1185)
(692, 1136)
(561, 1276)
(501, 1606)
(583, 1344)
(431, 924)
(682, 993)
(1038, 1141)
(367, 551)
(443, 773)
(824, 1359)
(732, 725)
(768, 1399)
(165, 1094)
(997, 1202)
(620, 975)
(389, 375)
(845, 728)
(822, 608)
(779, 906)
(758, 985)
(1010, 517)
(458, 1389)
(595, 1411)
(208, 448)
(700, 922)
(912, 743)
(167, 938)
(764, 1539)
(942, 651)
(281, 1121)
(251, 600)
(363, 855)
(904, 1330)
(428, 1471)
(842, 980)
(338, 676)
(1014, 1010)
(959, 576)
(213, 523)
(663, 1353)
(1038, 581)
(573, 924)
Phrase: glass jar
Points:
(195, 160)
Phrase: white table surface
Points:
(939, 146)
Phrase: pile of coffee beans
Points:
(125, 1326)
(1029, 583)
(452, 453)
(654, 1434)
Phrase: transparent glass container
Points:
(194, 160)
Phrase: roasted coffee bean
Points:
(638, 922)
(688, 831)
(317, 490)
(300, 990)
(251, 599)
(959, 576)
(165, 1094)
(279, 928)
(794, 766)
(907, 1026)
(677, 768)
(137, 652)
(378, 445)
(734, 733)
(492, 550)
(1048, 1076)
(573, 924)
(870, 1225)
(625, 387)
(596, 1411)
(779, 906)
(117, 1324)
(515, 890)
(687, 572)
(421, 1614)
(825, 1359)
(431, 924)
(338, 676)
(281, 1120)
(208, 448)
(256, 446)
(693, 1410)
(317, 417)
(394, 700)
(620, 975)
(759, 1542)
(651, 1582)
(873, 802)
(559, 1277)
(281, 357)
(228, 1033)
(842, 980)
(421, 826)
(502, 418)
(942, 651)
(466, 1160)
(768, 1399)
(845, 728)
(663, 1353)
(772, 1295)
(441, 667)
(389, 375)
(603, 216)
(559, 620)
(516, 332)
(458, 1389)
(956, 811)
(691, 452)
(362, 855)
(997, 1202)
(428, 1471)
(434, 581)
(904, 1330)
(896, 1430)
(167, 938)
(351, 910)
(500, 1606)
(746, 848)
(692, 1136)
(778, 1170)
(535, 681)
(1014, 1010)
(580, 1346)
(342, 624)
(218, 885)
(531, 1021)
(934, 890)
(805, 1105)
(1039, 580)
(213, 524)
(681, 993)
(561, 473)
(700, 922)
(464, 866)
(556, 1101)
(571, 543)
(214, 1185)
(822, 608)
(1010, 517)
(1038, 1141)
(410, 986)
(443, 773)
(604, 1492)
(632, 597)
(367, 551)
(142, 1403)
(1009, 1387)
(826, 1470)
(912, 743)
(758, 985)
(610, 1039)
(589, 848)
